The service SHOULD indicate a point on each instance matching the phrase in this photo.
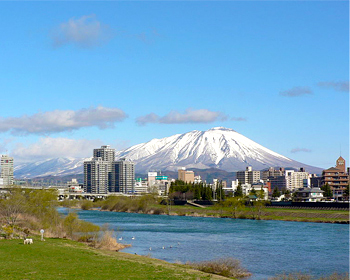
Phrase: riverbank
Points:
(280, 214)
(67, 259)
(149, 204)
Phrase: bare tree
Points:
(11, 207)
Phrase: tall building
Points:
(272, 172)
(278, 182)
(123, 176)
(185, 175)
(105, 152)
(295, 179)
(337, 178)
(6, 170)
(96, 175)
(249, 176)
(98, 171)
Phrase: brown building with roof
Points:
(186, 175)
(337, 178)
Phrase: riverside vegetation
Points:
(237, 206)
(24, 212)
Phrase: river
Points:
(265, 248)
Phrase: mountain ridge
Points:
(218, 147)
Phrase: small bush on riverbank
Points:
(225, 267)
(108, 242)
(87, 205)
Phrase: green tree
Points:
(253, 192)
(236, 204)
(197, 192)
(258, 207)
(276, 192)
(239, 191)
(261, 194)
(220, 194)
(327, 191)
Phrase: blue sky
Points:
(75, 75)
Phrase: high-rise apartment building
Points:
(249, 176)
(96, 175)
(107, 154)
(98, 171)
(123, 176)
(6, 170)
(186, 175)
(103, 174)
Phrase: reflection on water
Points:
(265, 248)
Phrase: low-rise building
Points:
(248, 188)
(141, 186)
(309, 195)
(74, 187)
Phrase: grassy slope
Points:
(309, 215)
(65, 259)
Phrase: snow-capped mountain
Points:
(218, 147)
(55, 167)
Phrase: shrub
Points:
(225, 267)
(157, 211)
(87, 205)
(108, 242)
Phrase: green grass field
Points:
(65, 259)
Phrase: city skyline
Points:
(76, 76)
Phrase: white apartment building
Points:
(141, 186)
(249, 176)
(6, 174)
(295, 179)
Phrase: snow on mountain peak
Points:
(218, 147)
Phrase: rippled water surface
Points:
(265, 248)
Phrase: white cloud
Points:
(338, 86)
(83, 32)
(48, 147)
(189, 116)
(296, 91)
(62, 120)
(298, 150)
